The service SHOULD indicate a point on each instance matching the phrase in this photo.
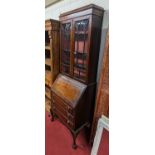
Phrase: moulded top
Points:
(52, 24)
(94, 9)
(68, 89)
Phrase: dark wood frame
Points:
(102, 98)
(95, 15)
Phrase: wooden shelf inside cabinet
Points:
(81, 36)
(80, 67)
(66, 52)
(47, 47)
(48, 74)
(48, 61)
(65, 68)
(81, 32)
(48, 78)
(65, 64)
(80, 55)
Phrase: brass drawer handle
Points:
(68, 114)
(68, 108)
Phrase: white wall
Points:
(55, 10)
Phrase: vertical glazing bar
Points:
(84, 41)
(78, 32)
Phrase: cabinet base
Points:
(73, 132)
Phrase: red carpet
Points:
(58, 140)
(104, 145)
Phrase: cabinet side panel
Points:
(94, 48)
(55, 53)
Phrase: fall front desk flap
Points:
(68, 89)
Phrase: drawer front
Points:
(48, 92)
(59, 102)
(63, 119)
(64, 112)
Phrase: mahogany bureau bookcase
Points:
(73, 92)
(52, 41)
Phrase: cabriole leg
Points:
(52, 114)
(74, 145)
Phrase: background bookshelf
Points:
(51, 57)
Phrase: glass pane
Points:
(65, 57)
(65, 68)
(81, 48)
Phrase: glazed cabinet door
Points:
(66, 28)
(81, 34)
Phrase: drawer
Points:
(48, 92)
(64, 112)
(63, 119)
(59, 102)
